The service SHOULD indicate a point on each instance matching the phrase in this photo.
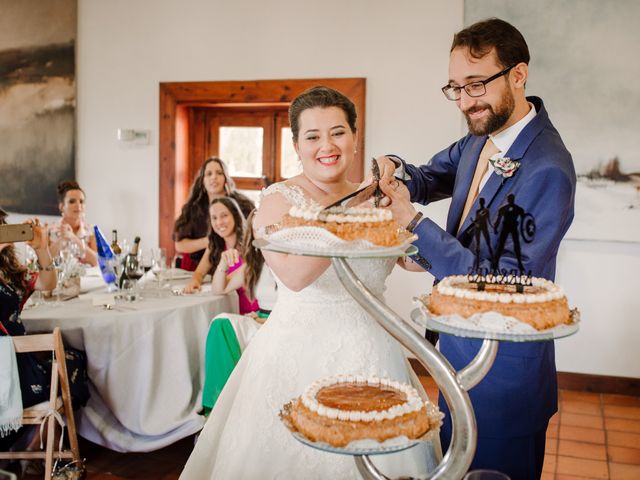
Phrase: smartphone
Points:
(16, 233)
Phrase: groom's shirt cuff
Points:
(401, 171)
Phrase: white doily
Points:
(321, 240)
(489, 322)
(492, 325)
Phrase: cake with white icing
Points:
(345, 408)
(375, 225)
(540, 303)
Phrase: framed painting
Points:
(583, 66)
(37, 102)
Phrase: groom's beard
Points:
(496, 118)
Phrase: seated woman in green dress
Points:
(229, 334)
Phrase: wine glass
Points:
(145, 260)
(58, 265)
(159, 263)
(133, 267)
(74, 250)
(31, 262)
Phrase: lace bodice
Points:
(372, 272)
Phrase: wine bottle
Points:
(131, 268)
(106, 259)
(115, 247)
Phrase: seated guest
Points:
(192, 227)
(229, 334)
(72, 231)
(16, 285)
(227, 230)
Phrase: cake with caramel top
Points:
(375, 225)
(342, 409)
(540, 303)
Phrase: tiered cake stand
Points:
(453, 385)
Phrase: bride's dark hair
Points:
(323, 97)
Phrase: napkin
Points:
(10, 395)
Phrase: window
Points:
(256, 145)
(232, 119)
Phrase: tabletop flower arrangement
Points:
(72, 270)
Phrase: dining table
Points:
(145, 358)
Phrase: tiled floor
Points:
(593, 436)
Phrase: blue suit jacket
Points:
(519, 394)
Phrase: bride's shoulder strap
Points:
(292, 193)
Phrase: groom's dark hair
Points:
(323, 97)
(481, 37)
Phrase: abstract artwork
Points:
(37, 102)
(583, 65)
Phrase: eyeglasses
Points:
(473, 89)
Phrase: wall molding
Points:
(582, 382)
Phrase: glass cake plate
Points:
(358, 447)
(318, 242)
(361, 447)
(491, 326)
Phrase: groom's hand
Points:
(399, 200)
(387, 169)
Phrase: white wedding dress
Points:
(317, 332)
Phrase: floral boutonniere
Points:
(504, 166)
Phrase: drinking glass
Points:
(129, 290)
(58, 265)
(146, 260)
(486, 475)
(159, 263)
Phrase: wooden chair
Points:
(37, 414)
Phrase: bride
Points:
(315, 330)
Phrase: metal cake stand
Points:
(453, 384)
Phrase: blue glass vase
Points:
(106, 260)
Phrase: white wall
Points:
(125, 48)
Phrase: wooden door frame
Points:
(176, 102)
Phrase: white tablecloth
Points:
(145, 363)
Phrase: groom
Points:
(488, 69)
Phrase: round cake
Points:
(341, 409)
(375, 225)
(542, 304)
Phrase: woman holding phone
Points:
(17, 283)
